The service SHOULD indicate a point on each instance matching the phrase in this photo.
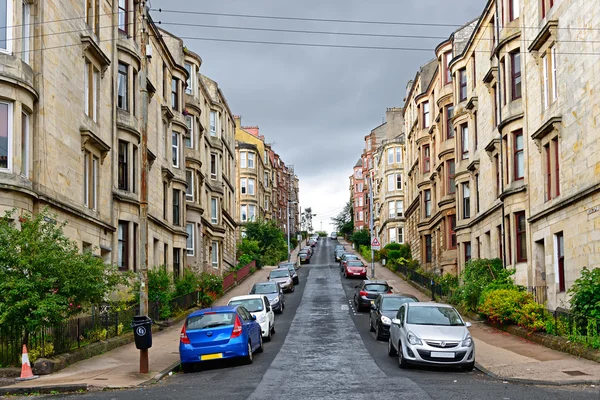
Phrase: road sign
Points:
(375, 245)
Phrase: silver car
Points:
(433, 334)
(283, 277)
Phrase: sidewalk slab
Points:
(119, 368)
(504, 356)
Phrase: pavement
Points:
(507, 357)
(119, 368)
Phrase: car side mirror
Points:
(390, 288)
(468, 324)
(373, 306)
(254, 318)
(396, 321)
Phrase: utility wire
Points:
(59, 20)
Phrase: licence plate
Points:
(356, 273)
(215, 356)
(439, 354)
(372, 301)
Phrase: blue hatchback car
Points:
(217, 333)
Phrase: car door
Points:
(270, 313)
(373, 312)
(395, 329)
(251, 327)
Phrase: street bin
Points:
(142, 331)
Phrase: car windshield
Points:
(289, 266)
(252, 305)
(350, 257)
(279, 273)
(394, 303)
(355, 263)
(433, 315)
(264, 288)
(206, 321)
(376, 287)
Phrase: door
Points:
(270, 313)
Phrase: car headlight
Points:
(385, 320)
(413, 339)
(261, 318)
(467, 342)
(275, 300)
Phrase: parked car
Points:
(292, 268)
(431, 333)
(367, 292)
(312, 242)
(333, 236)
(304, 257)
(283, 277)
(338, 247)
(308, 249)
(355, 268)
(273, 292)
(347, 257)
(338, 254)
(258, 305)
(217, 333)
(383, 310)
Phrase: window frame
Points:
(513, 9)
(25, 31)
(190, 251)
(518, 155)
(191, 187)
(450, 177)
(520, 235)
(214, 174)
(176, 207)
(251, 214)
(25, 143)
(189, 120)
(90, 180)
(428, 248)
(467, 251)
(123, 165)
(559, 241)
(123, 245)
(243, 212)
(123, 10)
(392, 209)
(189, 81)
(426, 115)
(123, 79)
(251, 186)
(427, 208)
(243, 185)
(466, 203)
(251, 158)
(174, 93)
(516, 76)
(213, 123)
(8, 24)
(398, 181)
(464, 141)
(447, 70)
(426, 158)
(390, 154)
(175, 149)
(399, 208)
(214, 254)
(462, 85)
(214, 210)
(449, 113)
(452, 243)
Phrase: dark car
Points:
(292, 268)
(304, 257)
(367, 292)
(347, 257)
(273, 292)
(338, 247)
(355, 269)
(338, 254)
(312, 242)
(383, 310)
(308, 249)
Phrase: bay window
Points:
(426, 116)
(123, 87)
(447, 71)
(214, 212)
(519, 157)
(190, 243)
(515, 79)
(427, 202)
(521, 243)
(398, 155)
(175, 148)
(464, 141)
(426, 158)
(466, 203)
(462, 92)
(189, 191)
(450, 170)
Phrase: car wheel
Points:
(401, 360)
(391, 349)
(377, 332)
(273, 329)
(269, 335)
(261, 347)
(187, 368)
(371, 329)
(293, 288)
(469, 367)
(249, 356)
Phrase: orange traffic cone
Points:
(26, 372)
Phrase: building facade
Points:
(72, 125)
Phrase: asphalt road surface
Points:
(323, 350)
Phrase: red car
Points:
(355, 268)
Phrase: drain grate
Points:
(575, 373)
(100, 379)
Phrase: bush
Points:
(405, 251)
(502, 306)
(361, 238)
(365, 252)
(394, 254)
(188, 283)
(585, 293)
(477, 276)
(392, 246)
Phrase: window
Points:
(503, 75)
(398, 181)
(190, 242)
(92, 15)
(513, 9)
(360, 201)
(360, 216)
(188, 82)
(392, 209)
(25, 31)
(553, 71)
(90, 83)
(123, 87)
(90, 180)
(213, 166)
(450, 185)
(25, 140)
(244, 185)
(189, 191)
(560, 260)
(466, 201)
(399, 208)
(176, 262)
(123, 165)
(251, 212)
(550, 82)
(368, 144)
(474, 64)
(251, 186)
(426, 158)
(467, 250)
(213, 123)
(266, 204)
(495, 101)
(165, 254)
(428, 249)
(426, 116)
(464, 141)
(214, 216)
(266, 179)
(400, 235)
(176, 207)
(392, 235)
(552, 169)
(175, 94)
(449, 112)
(165, 199)
(398, 155)
(520, 235)
(546, 6)
(360, 187)
(123, 248)
(123, 15)
(519, 157)
(214, 254)
(390, 180)
(390, 154)
(244, 213)
(515, 80)
(477, 194)
(250, 160)
(447, 71)
(462, 73)
(175, 148)
(427, 197)
(451, 231)
(497, 172)
(189, 136)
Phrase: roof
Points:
(359, 163)
(430, 304)
(376, 281)
(247, 297)
(398, 295)
(427, 74)
(213, 309)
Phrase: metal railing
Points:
(539, 293)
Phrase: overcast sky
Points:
(314, 104)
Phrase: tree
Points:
(44, 279)
(344, 221)
(307, 220)
(272, 246)
(362, 238)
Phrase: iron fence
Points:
(539, 293)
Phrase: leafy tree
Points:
(272, 245)
(306, 219)
(321, 233)
(585, 293)
(481, 275)
(44, 279)
(362, 238)
(344, 222)
(248, 250)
